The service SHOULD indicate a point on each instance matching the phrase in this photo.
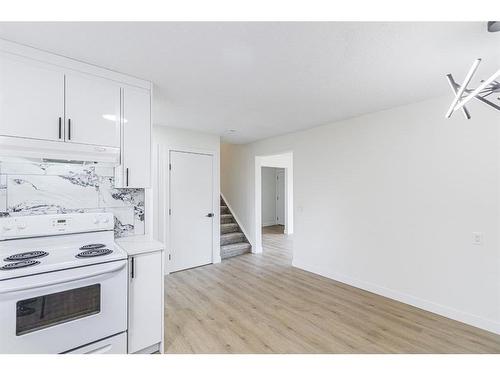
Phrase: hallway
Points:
(259, 303)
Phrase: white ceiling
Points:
(265, 79)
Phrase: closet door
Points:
(92, 111)
(31, 99)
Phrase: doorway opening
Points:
(273, 197)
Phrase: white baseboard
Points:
(268, 223)
(448, 312)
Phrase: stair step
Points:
(231, 238)
(226, 219)
(229, 228)
(228, 251)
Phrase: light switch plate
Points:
(477, 238)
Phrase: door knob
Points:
(210, 214)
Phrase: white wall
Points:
(164, 140)
(388, 202)
(268, 196)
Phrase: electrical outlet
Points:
(477, 238)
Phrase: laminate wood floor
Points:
(259, 303)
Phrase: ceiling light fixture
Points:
(463, 95)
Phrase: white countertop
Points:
(135, 245)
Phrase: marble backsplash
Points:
(28, 188)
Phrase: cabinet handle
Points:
(60, 127)
(132, 271)
(126, 176)
(69, 129)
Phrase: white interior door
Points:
(280, 197)
(191, 203)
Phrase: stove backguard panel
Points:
(28, 188)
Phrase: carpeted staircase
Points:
(232, 240)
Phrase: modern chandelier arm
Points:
(455, 87)
(483, 92)
(463, 87)
(474, 93)
(487, 102)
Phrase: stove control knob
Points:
(96, 220)
(105, 221)
(7, 227)
(21, 226)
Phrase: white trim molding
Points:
(282, 160)
(67, 63)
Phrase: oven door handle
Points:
(67, 280)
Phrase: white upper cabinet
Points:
(92, 111)
(136, 147)
(61, 104)
(31, 100)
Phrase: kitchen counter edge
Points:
(142, 244)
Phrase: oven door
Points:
(59, 311)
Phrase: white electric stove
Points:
(63, 285)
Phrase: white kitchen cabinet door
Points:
(92, 111)
(31, 100)
(145, 301)
(136, 138)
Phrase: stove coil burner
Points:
(94, 253)
(93, 246)
(22, 264)
(26, 256)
